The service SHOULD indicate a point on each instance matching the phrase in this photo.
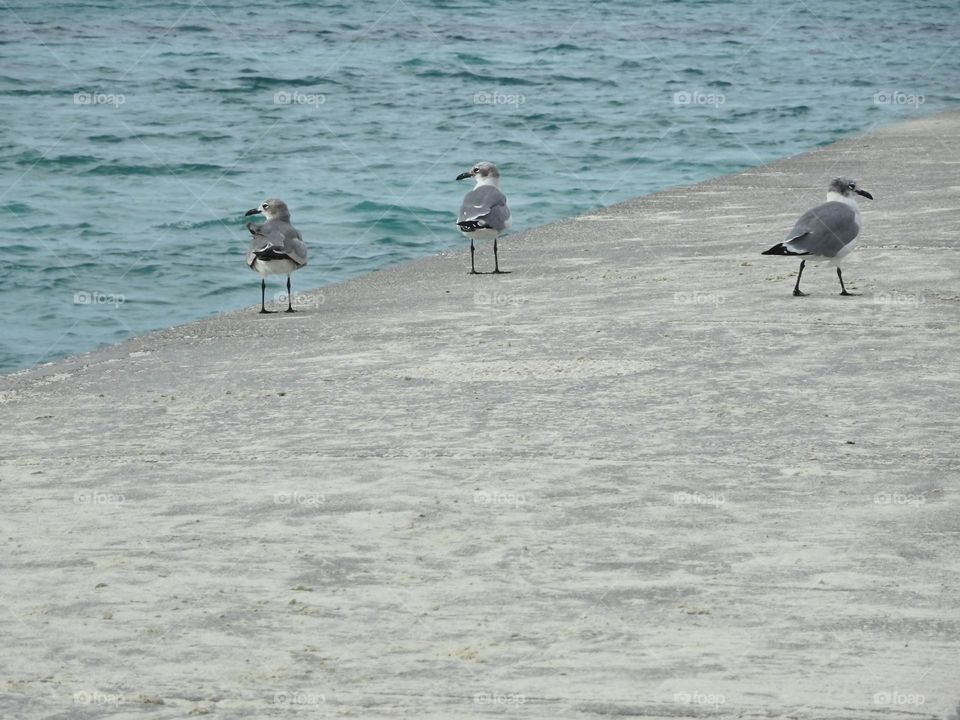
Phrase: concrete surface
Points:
(635, 477)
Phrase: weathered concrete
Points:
(635, 477)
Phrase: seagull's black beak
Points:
(255, 211)
(867, 195)
(462, 176)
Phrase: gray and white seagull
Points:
(275, 248)
(484, 213)
(826, 232)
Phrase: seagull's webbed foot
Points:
(799, 293)
(264, 311)
(843, 288)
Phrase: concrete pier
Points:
(634, 477)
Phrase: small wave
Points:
(459, 75)
(17, 208)
(586, 79)
(492, 81)
(33, 158)
(108, 138)
(372, 206)
(637, 160)
(560, 47)
(394, 241)
(411, 212)
(146, 269)
(177, 169)
(192, 55)
(470, 58)
(202, 224)
(35, 93)
(266, 82)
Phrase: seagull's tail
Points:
(782, 249)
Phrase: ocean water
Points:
(134, 136)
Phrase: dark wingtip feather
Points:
(781, 249)
(471, 225)
(271, 253)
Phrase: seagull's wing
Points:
(278, 239)
(823, 230)
(484, 207)
(297, 249)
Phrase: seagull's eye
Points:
(266, 205)
(853, 186)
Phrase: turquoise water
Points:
(134, 138)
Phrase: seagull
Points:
(484, 213)
(275, 248)
(826, 232)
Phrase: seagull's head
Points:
(485, 173)
(271, 209)
(845, 187)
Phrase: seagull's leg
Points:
(842, 288)
(796, 288)
(289, 297)
(473, 270)
(496, 261)
(263, 296)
